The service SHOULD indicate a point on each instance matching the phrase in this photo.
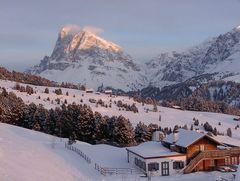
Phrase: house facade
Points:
(152, 158)
(182, 151)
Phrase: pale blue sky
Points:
(144, 28)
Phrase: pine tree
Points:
(142, 133)
(46, 91)
(123, 132)
(229, 132)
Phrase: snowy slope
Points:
(28, 155)
(83, 57)
(169, 117)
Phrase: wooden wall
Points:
(194, 149)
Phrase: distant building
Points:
(108, 92)
(89, 90)
(177, 107)
(182, 151)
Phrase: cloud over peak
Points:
(73, 29)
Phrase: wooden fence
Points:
(79, 152)
(116, 171)
(103, 170)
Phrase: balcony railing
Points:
(210, 154)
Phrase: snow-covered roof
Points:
(152, 149)
(184, 137)
(91, 90)
(226, 140)
(176, 107)
(108, 91)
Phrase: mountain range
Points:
(83, 57)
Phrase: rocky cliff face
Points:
(220, 55)
(82, 57)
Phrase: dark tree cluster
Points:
(58, 91)
(127, 107)
(24, 78)
(199, 104)
(72, 121)
(21, 88)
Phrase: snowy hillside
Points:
(83, 57)
(219, 56)
(28, 155)
(169, 117)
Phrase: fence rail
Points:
(103, 170)
(79, 152)
(116, 171)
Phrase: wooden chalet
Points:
(184, 151)
(201, 150)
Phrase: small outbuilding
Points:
(89, 90)
(109, 92)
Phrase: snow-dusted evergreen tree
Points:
(142, 133)
(41, 118)
(229, 132)
(123, 132)
(101, 131)
(29, 90)
(46, 91)
(29, 116)
(11, 108)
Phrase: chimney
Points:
(175, 137)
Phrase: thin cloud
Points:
(93, 29)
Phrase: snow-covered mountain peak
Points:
(219, 56)
(81, 56)
(86, 40)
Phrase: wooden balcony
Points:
(210, 155)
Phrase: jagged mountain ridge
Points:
(219, 55)
(194, 88)
(83, 57)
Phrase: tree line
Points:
(73, 121)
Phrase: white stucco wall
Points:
(172, 171)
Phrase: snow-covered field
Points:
(27, 155)
(169, 117)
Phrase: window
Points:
(227, 161)
(202, 147)
(178, 165)
(153, 166)
(165, 168)
(235, 160)
(136, 161)
(141, 164)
